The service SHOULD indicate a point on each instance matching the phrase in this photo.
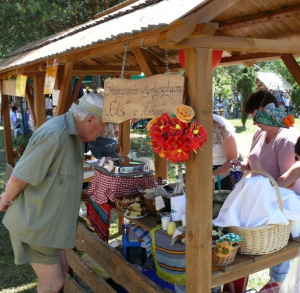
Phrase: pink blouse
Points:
(277, 156)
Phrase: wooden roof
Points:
(245, 30)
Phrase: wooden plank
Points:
(124, 138)
(7, 130)
(259, 263)
(87, 274)
(114, 264)
(292, 65)
(64, 89)
(143, 98)
(39, 100)
(161, 167)
(199, 174)
(8, 87)
(205, 14)
(30, 103)
(71, 286)
(77, 89)
(245, 44)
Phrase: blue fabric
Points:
(103, 147)
(25, 118)
(279, 272)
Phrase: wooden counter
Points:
(243, 265)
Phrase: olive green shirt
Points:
(45, 213)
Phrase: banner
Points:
(50, 77)
(21, 85)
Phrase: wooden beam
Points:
(124, 138)
(64, 89)
(199, 174)
(245, 44)
(190, 23)
(101, 69)
(260, 18)
(292, 65)
(248, 57)
(114, 264)
(146, 64)
(77, 89)
(30, 102)
(87, 274)
(39, 100)
(7, 129)
(71, 286)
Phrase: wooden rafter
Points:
(248, 57)
(101, 69)
(245, 44)
(265, 17)
(292, 65)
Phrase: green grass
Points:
(22, 278)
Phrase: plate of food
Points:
(135, 211)
(135, 217)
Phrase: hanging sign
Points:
(21, 85)
(51, 72)
(141, 98)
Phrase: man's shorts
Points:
(28, 253)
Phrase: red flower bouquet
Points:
(175, 137)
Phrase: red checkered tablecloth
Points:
(105, 187)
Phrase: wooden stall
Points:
(147, 36)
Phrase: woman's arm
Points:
(230, 151)
(290, 176)
(13, 188)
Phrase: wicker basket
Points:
(263, 239)
(223, 261)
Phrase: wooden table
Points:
(243, 265)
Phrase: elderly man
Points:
(42, 197)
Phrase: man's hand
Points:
(3, 204)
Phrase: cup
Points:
(171, 228)
(165, 219)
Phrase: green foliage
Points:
(25, 21)
(245, 86)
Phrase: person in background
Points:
(272, 150)
(105, 145)
(13, 117)
(42, 197)
(286, 100)
(289, 178)
(224, 151)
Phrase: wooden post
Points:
(124, 139)
(30, 103)
(199, 174)
(77, 89)
(7, 130)
(39, 100)
(64, 89)
(147, 66)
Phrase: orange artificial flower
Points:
(289, 121)
(184, 113)
(151, 122)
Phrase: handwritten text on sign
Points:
(142, 98)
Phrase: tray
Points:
(128, 175)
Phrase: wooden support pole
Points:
(39, 100)
(124, 139)
(30, 103)
(7, 130)
(199, 174)
(64, 89)
(292, 65)
(76, 92)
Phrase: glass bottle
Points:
(160, 191)
(178, 199)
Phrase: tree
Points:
(25, 21)
(245, 86)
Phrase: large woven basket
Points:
(263, 239)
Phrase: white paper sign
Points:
(178, 207)
(159, 203)
(55, 96)
(101, 162)
(110, 165)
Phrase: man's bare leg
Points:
(51, 278)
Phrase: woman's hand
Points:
(239, 163)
